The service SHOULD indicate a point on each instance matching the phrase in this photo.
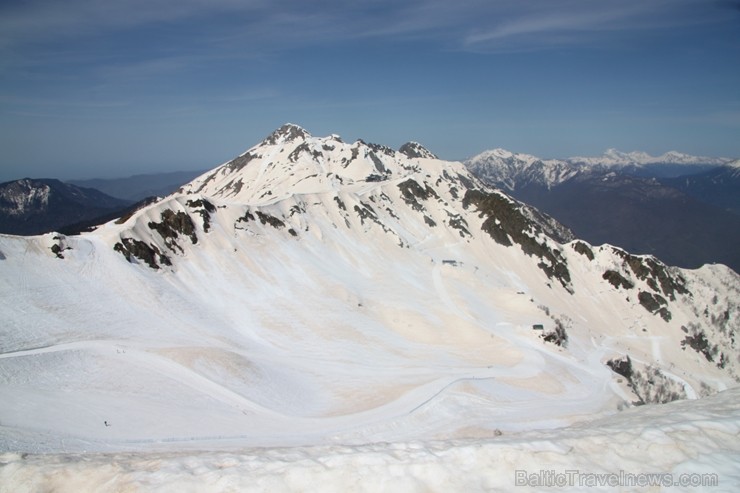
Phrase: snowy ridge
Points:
(291, 161)
(734, 168)
(512, 171)
(416, 150)
(639, 206)
(316, 293)
(615, 158)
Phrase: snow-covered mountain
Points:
(627, 201)
(318, 293)
(513, 171)
(615, 158)
(668, 165)
(34, 206)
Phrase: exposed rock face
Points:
(171, 226)
(416, 150)
(617, 280)
(149, 254)
(287, 133)
(205, 209)
(506, 224)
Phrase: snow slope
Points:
(692, 445)
(314, 293)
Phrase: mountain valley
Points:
(313, 294)
(672, 210)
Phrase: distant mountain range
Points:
(667, 164)
(683, 209)
(514, 170)
(718, 186)
(35, 206)
(614, 158)
(138, 187)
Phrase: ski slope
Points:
(681, 446)
(384, 358)
(342, 307)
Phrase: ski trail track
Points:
(404, 407)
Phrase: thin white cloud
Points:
(42, 19)
(235, 27)
(580, 22)
(203, 35)
(547, 23)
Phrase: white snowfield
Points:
(681, 446)
(337, 320)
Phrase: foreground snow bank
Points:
(682, 446)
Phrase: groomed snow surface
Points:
(681, 446)
(214, 379)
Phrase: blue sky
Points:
(96, 88)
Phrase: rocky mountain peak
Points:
(286, 133)
(416, 150)
(291, 161)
